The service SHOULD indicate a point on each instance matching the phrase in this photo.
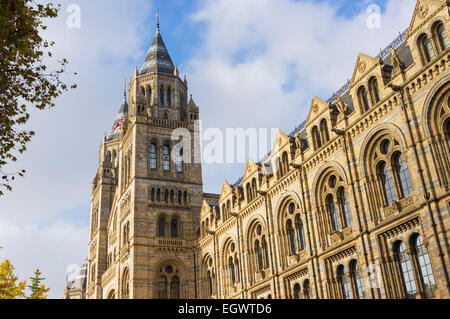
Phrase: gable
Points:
(250, 169)
(364, 65)
(281, 139)
(226, 190)
(422, 12)
(318, 106)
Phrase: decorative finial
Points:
(157, 17)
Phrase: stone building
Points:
(353, 204)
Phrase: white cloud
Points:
(253, 50)
(51, 249)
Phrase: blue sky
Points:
(249, 63)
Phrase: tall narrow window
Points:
(306, 290)
(406, 271)
(161, 95)
(162, 227)
(316, 138)
(162, 287)
(166, 196)
(172, 196)
(387, 183)
(185, 198)
(345, 207)
(232, 273)
(344, 283)
(266, 253)
(285, 163)
(259, 257)
(180, 198)
(249, 193)
(358, 281)
(254, 188)
(297, 291)
(210, 283)
(364, 99)
(169, 96)
(179, 161)
(442, 36)
(126, 285)
(152, 196)
(153, 156)
(175, 288)
(334, 215)
(166, 158)
(174, 228)
(324, 131)
(291, 237)
(375, 90)
(236, 267)
(158, 195)
(301, 232)
(403, 175)
(428, 49)
(425, 268)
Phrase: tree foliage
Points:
(38, 290)
(25, 80)
(9, 288)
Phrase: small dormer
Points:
(321, 118)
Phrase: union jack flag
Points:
(117, 124)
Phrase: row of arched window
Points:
(251, 190)
(439, 42)
(370, 96)
(169, 197)
(168, 284)
(320, 135)
(302, 291)
(164, 157)
(165, 95)
(351, 285)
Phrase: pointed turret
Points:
(158, 59)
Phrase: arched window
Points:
(162, 227)
(158, 195)
(344, 283)
(153, 156)
(162, 287)
(375, 92)
(324, 131)
(306, 290)
(402, 173)
(345, 207)
(175, 288)
(285, 163)
(442, 36)
(161, 95)
(301, 232)
(126, 285)
(166, 158)
(265, 252)
(232, 272)
(259, 256)
(387, 183)
(179, 161)
(210, 283)
(166, 196)
(364, 99)
(236, 267)
(174, 228)
(169, 96)
(185, 199)
(358, 280)
(172, 196)
(292, 237)
(297, 291)
(317, 141)
(426, 271)
(428, 50)
(254, 188)
(152, 195)
(249, 193)
(180, 198)
(406, 271)
(334, 215)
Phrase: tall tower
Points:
(147, 195)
